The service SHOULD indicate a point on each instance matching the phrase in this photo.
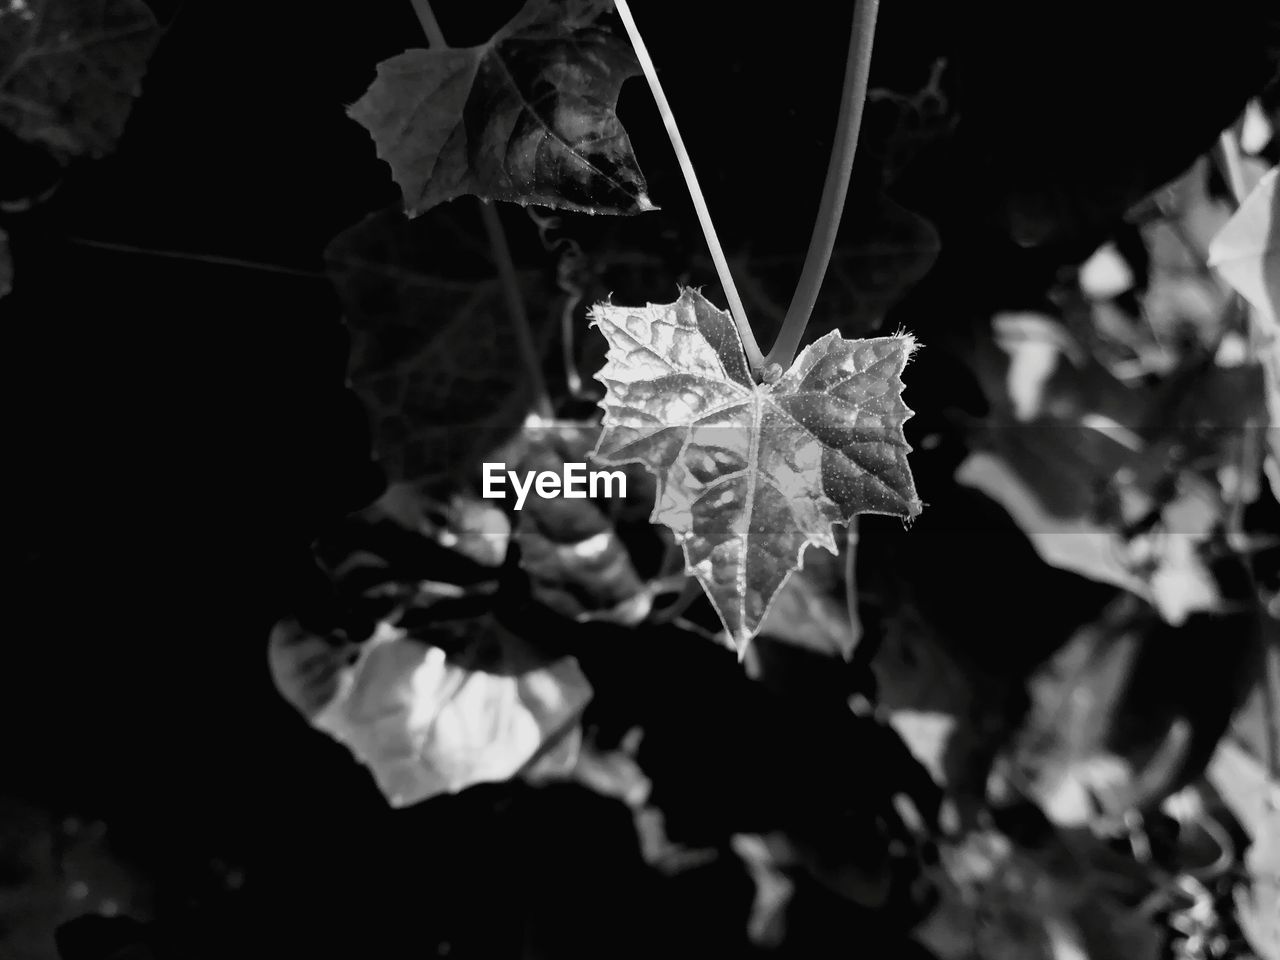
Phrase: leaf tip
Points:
(911, 344)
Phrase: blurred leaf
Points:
(432, 353)
(476, 528)
(69, 70)
(54, 868)
(879, 256)
(1065, 451)
(1003, 901)
(749, 475)
(305, 666)
(1247, 255)
(1258, 908)
(576, 561)
(527, 117)
(1065, 750)
(807, 613)
(451, 704)
(1165, 570)
(1242, 782)
(917, 120)
(1247, 250)
(767, 925)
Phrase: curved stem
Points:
(515, 310)
(501, 256)
(848, 125)
(749, 345)
(430, 25)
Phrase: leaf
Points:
(807, 614)
(1065, 452)
(1247, 255)
(1247, 250)
(446, 707)
(1063, 899)
(433, 357)
(527, 117)
(1242, 782)
(749, 475)
(70, 69)
(435, 709)
(879, 256)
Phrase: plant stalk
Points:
(835, 189)
(749, 346)
(516, 312)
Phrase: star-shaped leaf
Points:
(527, 117)
(69, 70)
(750, 474)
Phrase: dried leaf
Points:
(750, 474)
(527, 117)
(432, 353)
(70, 69)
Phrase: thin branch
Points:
(848, 125)
(194, 257)
(515, 308)
(749, 345)
(501, 255)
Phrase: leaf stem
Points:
(430, 25)
(752, 349)
(501, 256)
(515, 308)
(848, 125)
(196, 257)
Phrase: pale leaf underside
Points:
(751, 474)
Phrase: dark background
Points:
(180, 430)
